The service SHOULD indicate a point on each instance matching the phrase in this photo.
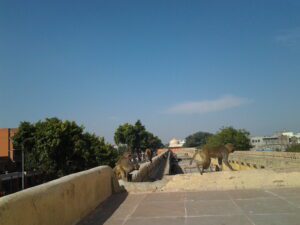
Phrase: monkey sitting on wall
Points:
(124, 166)
(220, 152)
(149, 154)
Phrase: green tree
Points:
(239, 138)
(151, 141)
(197, 139)
(136, 137)
(24, 139)
(293, 148)
(125, 134)
(57, 148)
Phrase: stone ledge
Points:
(63, 201)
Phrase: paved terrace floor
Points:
(243, 207)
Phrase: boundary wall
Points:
(244, 160)
(265, 160)
(64, 201)
(152, 171)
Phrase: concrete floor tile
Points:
(206, 195)
(123, 211)
(116, 207)
(261, 206)
(112, 222)
(127, 207)
(222, 207)
(159, 209)
(101, 222)
(170, 196)
(218, 220)
(286, 192)
(201, 208)
(134, 198)
(156, 221)
(276, 219)
(249, 194)
(295, 201)
(105, 210)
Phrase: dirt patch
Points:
(230, 180)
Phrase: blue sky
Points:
(179, 66)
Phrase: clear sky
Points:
(179, 66)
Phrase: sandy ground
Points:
(243, 178)
(225, 180)
(247, 178)
(231, 180)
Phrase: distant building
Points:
(277, 142)
(257, 142)
(9, 158)
(293, 137)
(175, 143)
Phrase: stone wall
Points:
(63, 201)
(269, 160)
(244, 160)
(152, 171)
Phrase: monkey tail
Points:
(191, 161)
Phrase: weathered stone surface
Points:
(63, 201)
(152, 171)
(232, 180)
(247, 207)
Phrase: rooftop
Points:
(237, 207)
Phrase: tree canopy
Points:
(197, 139)
(293, 148)
(57, 148)
(238, 137)
(136, 137)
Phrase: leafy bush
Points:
(293, 148)
(239, 138)
(56, 148)
(197, 139)
(136, 137)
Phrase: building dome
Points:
(175, 143)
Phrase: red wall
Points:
(6, 142)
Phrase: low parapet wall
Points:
(167, 170)
(151, 171)
(63, 201)
(269, 160)
(244, 160)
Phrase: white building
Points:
(289, 134)
(258, 142)
(276, 142)
(294, 137)
(297, 136)
(175, 143)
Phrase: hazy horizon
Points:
(178, 66)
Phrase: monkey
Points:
(124, 166)
(217, 168)
(148, 153)
(220, 152)
(204, 164)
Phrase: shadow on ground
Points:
(105, 210)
